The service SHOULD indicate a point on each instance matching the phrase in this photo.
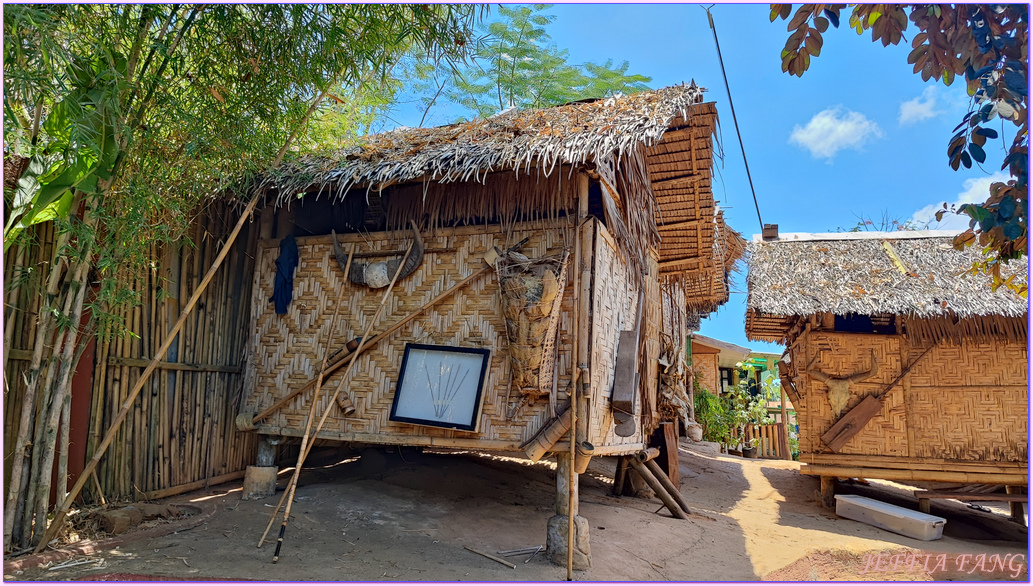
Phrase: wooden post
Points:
(787, 453)
(1017, 513)
(827, 493)
(658, 488)
(59, 516)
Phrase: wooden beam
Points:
(851, 424)
(677, 181)
(924, 475)
(144, 362)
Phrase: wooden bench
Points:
(924, 496)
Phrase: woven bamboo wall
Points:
(963, 402)
(614, 306)
(652, 322)
(286, 350)
(181, 429)
(706, 366)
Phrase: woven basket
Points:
(532, 291)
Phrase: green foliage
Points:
(711, 415)
(987, 47)
(141, 112)
(516, 64)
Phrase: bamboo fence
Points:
(180, 433)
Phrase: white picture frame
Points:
(440, 386)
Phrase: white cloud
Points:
(921, 108)
(975, 191)
(832, 130)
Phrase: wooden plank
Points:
(670, 446)
(924, 475)
(624, 390)
(851, 424)
(192, 486)
(972, 496)
(676, 181)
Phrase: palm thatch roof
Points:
(652, 152)
(916, 275)
(522, 140)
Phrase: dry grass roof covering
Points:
(521, 140)
(859, 275)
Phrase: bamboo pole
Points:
(571, 479)
(303, 452)
(658, 488)
(45, 474)
(25, 423)
(784, 436)
(59, 517)
(672, 490)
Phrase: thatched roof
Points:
(911, 274)
(652, 151)
(577, 133)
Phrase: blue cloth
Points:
(283, 286)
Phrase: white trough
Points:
(899, 520)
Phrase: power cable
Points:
(728, 90)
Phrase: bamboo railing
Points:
(771, 440)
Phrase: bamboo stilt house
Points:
(603, 217)
(615, 193)
(899, 364)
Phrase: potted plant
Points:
(737, 404)
(749, 449)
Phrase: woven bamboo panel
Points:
(614, 303)
(841, 356)
(706, 366)
(966, 402)
(971, 402)
(972, 364)
(288, 349)
(972, 423)
(651, 325)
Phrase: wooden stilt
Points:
(658, 488)
(827, 493)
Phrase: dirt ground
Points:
(408, 515)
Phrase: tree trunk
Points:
(62, 390)
(22, 452)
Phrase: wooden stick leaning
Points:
(304, 440)
(366, 345)
(84, 476)
(334, 366)
(667, 484)
(661, 492)
(571, 479)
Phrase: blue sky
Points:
(858, 134)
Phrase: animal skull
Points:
(839, 388)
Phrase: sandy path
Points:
(408, 519)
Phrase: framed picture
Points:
(440, 386)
